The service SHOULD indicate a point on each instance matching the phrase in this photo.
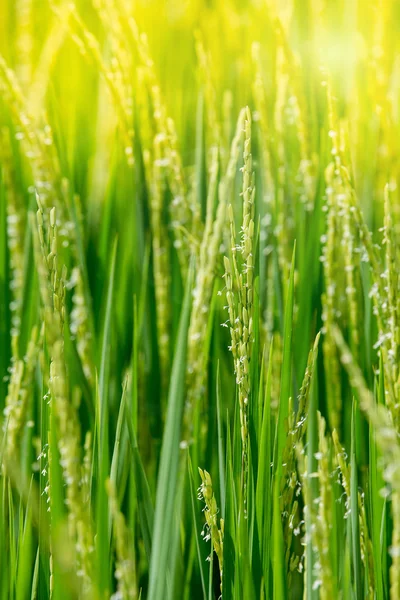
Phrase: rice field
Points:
(199, 299)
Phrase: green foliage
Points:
(199, 300)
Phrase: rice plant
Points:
(199, 299)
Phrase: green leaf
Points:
(230, 540)
(278, 558)
(4, 296)
(263, 490)
(25, 554)
(102, 516)
(354, 513)
(221, 454)
(164, 535)
(285, 393)
(141, 487)
(312, 449)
